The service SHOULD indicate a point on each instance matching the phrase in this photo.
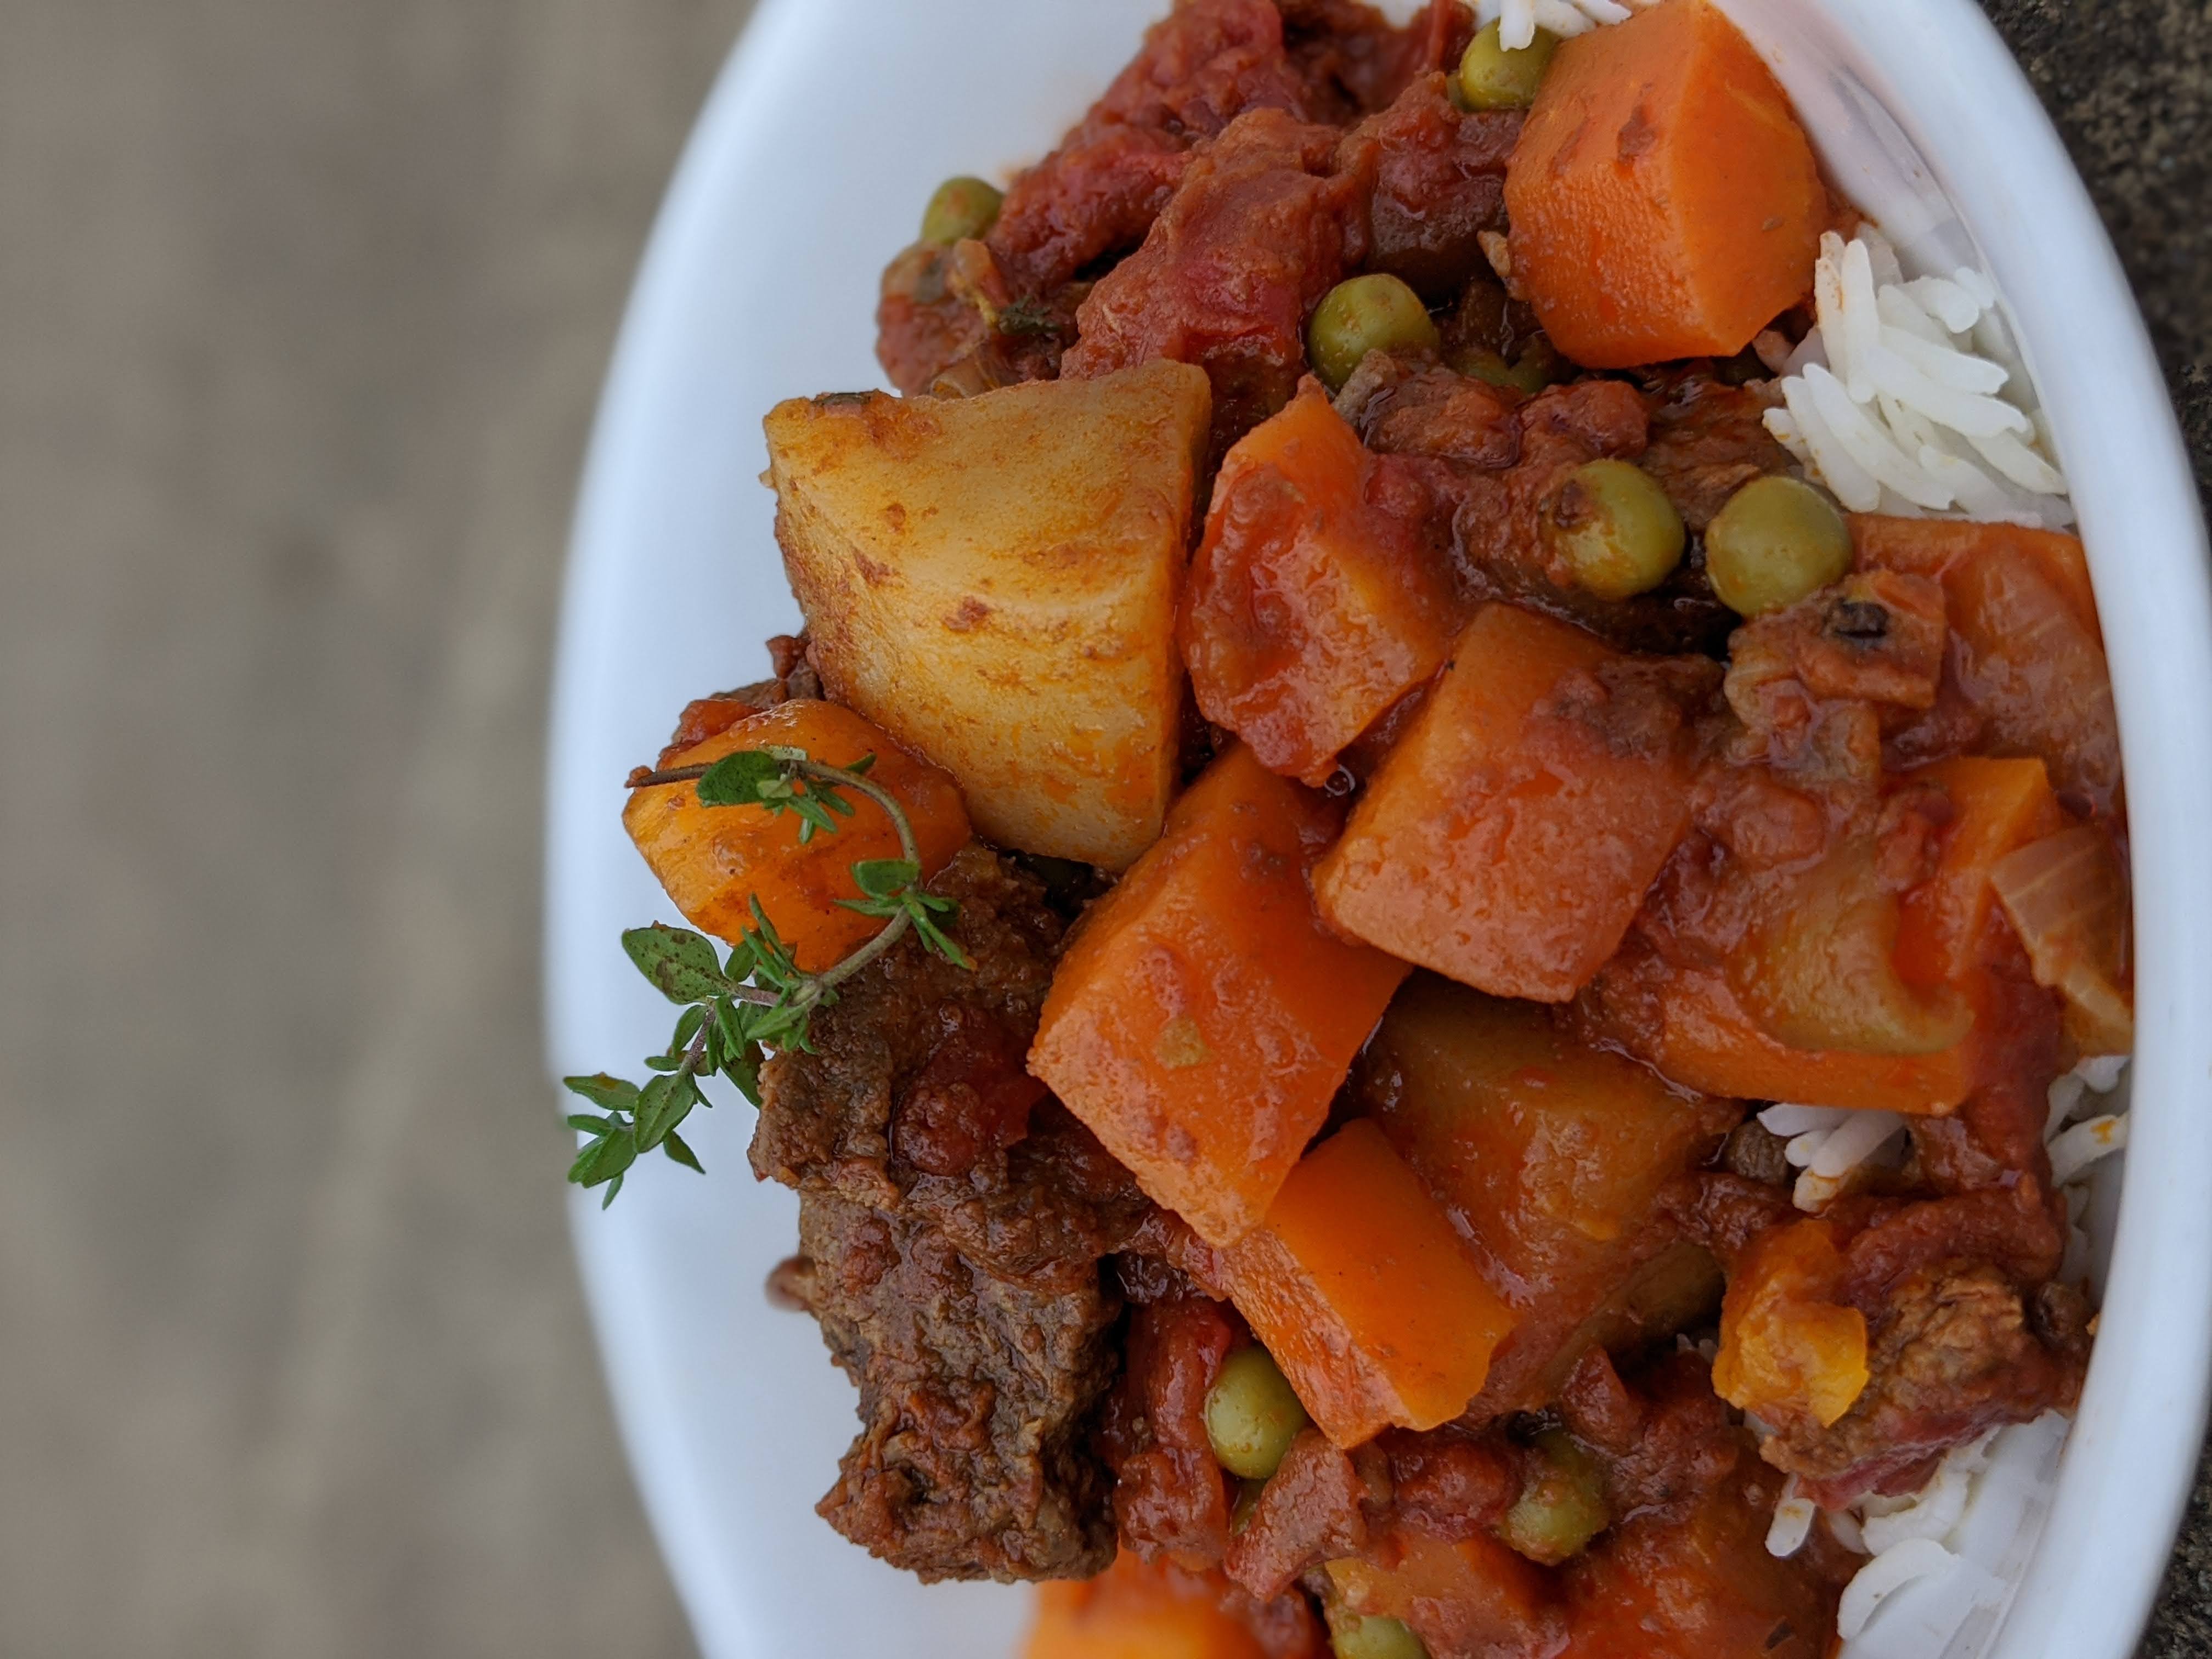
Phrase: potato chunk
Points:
(993, 581)
(1550, 1156)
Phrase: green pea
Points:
(1351, 1636)
(1246, 1506)
(1775, 542)
(1368, 313)
(1613, 528)
(961, 209)
(1531, 372)
(1251, 1415)
(1492, 77)
(1562, 1503)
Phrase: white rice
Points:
(1888, 404)
(1829, 1145)
(1793, 1522)
(1918, 1536)
(1518, 20)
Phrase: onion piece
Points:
(2068, 901)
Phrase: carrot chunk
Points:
(713, 860)
(1791, 1351)
(1998, 805)
(1137, 1611)
(1310, 608)
(1368, 1300)
(1664, 201)
(1203, 1017)
(1509, 837)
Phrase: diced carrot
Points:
(1664, 201)
(1309, 608)
(1791, 1351)
(1203, 1016)
(1368, 1300)
(711, 860)
(1508, 839)
(1137, 1611)
(1998, 804)
(1461, 1595)
(1548, 1153)
(1688, 1024)
(1937, 547)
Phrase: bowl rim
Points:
(1941, 69)
(2131, 1458)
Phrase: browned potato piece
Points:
(993, 580)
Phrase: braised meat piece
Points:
(952, 1227)
(1439, 182)
(1259, 231)
(975, 1393)
(1865, 654)
(1448, 1483)
(1315, 1508)
(1957, 1350)
(826, 1116)
(924, 322)
(1409, 409)
(1499, 458)
(1966, 1330)
(1092, 201)
(1709, 439)
(1170, 1497)
(1665, 1442)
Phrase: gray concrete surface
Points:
(303, 306)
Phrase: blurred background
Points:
(304, 304)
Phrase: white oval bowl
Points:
(830, 125)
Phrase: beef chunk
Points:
(1096, 197)
(1954, 1353)
(976, 1393)
(1665, 1442)
(1170, 1497)
(1092, 200)
(826, 1116)
(1311, 1510)
(1404, 409)
(1709, 439)
(1450, 1484)
(1258, 233)
(952, 1227)
(1439, 182)
(924, 322)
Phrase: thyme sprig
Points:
(756, 998)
